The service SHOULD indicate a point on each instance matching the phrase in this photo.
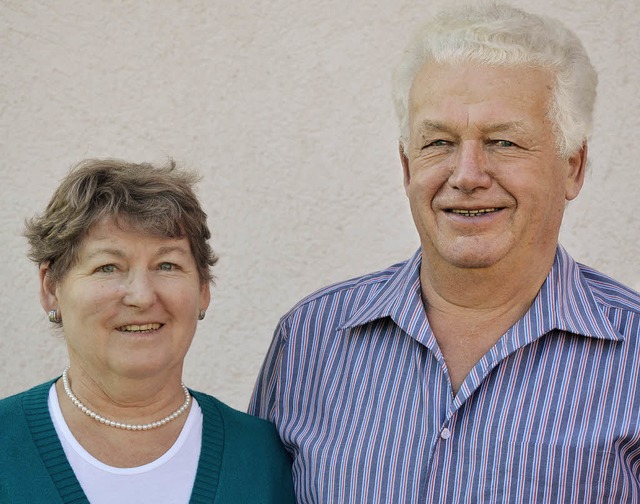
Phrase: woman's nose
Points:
(139, 289)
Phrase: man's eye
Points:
(436, 143)
(107, 268)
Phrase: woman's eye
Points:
(166, 266)
(504, 143)
(107, 268)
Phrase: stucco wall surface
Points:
(284, 108)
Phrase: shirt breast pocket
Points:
(547, 473)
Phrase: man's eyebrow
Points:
(512, 126)
(429, 125)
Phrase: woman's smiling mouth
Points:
(140, 328)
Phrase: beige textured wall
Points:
(284, 108)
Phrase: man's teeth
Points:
(140, 328)
(472, 213)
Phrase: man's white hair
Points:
(496, 34)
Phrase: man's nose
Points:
(469, 170)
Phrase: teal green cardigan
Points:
(241, 460)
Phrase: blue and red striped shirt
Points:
(359, 391)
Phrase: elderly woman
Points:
(124, 266)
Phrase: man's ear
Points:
(48, 295)
(405, 165)
(576, 172)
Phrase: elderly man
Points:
(489, 367)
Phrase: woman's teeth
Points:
(140, 328)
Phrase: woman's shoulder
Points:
(241, 434)
(235, 420)
(255, 466)
(36, 397)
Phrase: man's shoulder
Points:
(609, 292)
(358, 289)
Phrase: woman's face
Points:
(129, 304)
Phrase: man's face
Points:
(482, 174)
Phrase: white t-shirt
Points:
(168, 479)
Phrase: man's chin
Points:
(475, 257)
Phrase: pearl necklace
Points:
(121, 425)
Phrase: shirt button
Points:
(445, 433)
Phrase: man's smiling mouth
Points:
(473, 213)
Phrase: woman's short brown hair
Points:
(156, 200)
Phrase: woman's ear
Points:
(48, 296)
(205, 295)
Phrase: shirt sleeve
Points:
(265, 400)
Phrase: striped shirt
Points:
(358, 389)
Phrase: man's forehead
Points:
(466, 70)
(500, 96)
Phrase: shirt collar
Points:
(570, 304)
(565, 302)
(400, 298)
